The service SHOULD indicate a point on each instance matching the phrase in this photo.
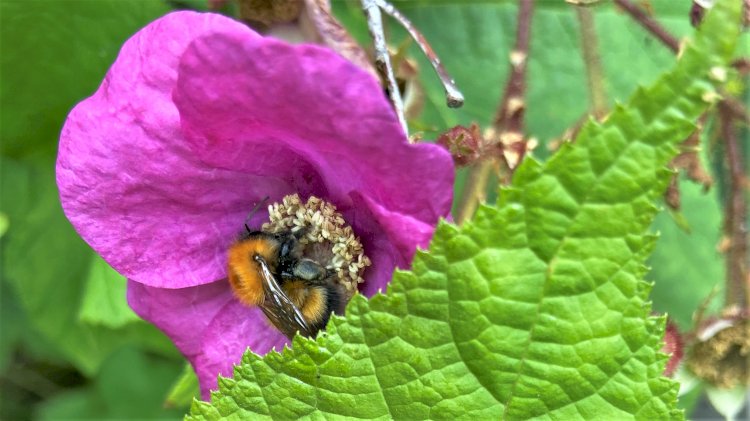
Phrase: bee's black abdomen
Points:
(332, 303)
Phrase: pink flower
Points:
(197, 120)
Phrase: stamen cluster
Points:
(326, 227)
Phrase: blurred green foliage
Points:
(55, 289)
(66, 333)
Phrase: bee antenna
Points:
(252, 212)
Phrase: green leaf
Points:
(120, 391)
(184, 390)
(687, 266)
(54, 54)
(47, 264)
(12, 324)
(535, 308)
(104, 301)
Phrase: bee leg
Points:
(308, 271)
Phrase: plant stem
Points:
(509, 118)
(508, 122)
(650, 24)
(594, 72)
(735, 219)
(383, 58)
(475, 190)
(454, 97)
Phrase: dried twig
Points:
(383, 59)
(454, 97)
(327, 30)
(650, 24)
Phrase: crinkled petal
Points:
(396, 235)
(198, 119)
(207, 324)
(303, 103)
(130, 184)
(306, 101)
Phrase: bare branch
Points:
(650, 24)
(454, 97)
(383, 59)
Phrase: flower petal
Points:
(207, 324)
(238, 96)
(130, 184)
(284, 105)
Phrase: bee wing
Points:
(277, 306)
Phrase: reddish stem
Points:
(509, 120)
(509, 117)
(650, 24)
(735, 223)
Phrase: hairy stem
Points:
(735, 219)
(594, 72)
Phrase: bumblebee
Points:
(268, 270)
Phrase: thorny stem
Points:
(738, 291)
(454, 97)
(509, 118)
(650, 24)
(508, 123)
(383, 59)
(594, 72)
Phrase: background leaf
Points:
(535, 308)
(119, 391)
(104, 301)
(43, 258)
(44, 44)
(49, 287)
(688, 264)
(55, 53)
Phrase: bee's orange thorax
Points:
(244, 273)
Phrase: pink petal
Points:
(208, 325)
(130, 184)
(306, 101)
(161, 188)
